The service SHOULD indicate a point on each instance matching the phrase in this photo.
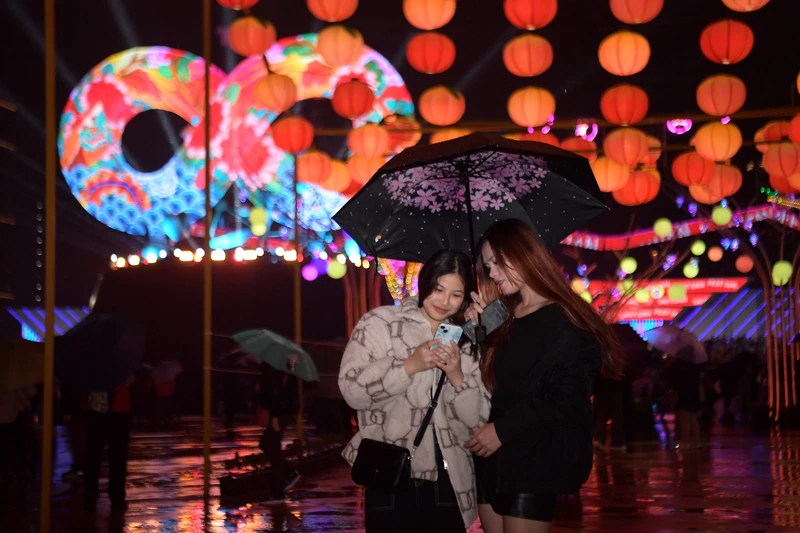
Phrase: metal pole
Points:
(207, 259)
(49, 258)
(298, 304)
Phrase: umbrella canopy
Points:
(21, 364)
(446, 195)
(275, 350)
(677, 343)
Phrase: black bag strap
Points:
(428, 415)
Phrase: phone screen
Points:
(493, 315)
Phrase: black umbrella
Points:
(446, 195)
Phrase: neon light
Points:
(747, 322)
(722, 315)
(679, 126)
(756, 294)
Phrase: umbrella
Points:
(167, 371)
(275, 350)
(677, 343)
(419, 201)
(21, 364)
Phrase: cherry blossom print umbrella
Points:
(446, 195)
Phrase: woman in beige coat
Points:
(389, 372)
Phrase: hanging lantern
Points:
(783, 184)
(727, 181)
(292, 134)
(442, 106)
(624, 53)
(403, 132)
(744, 264)
(772, 132)
(527, 55)
(624, 105)
(662, 227)
(313, 166)
(332, 10)
(338, 179)
(362, 169)
(610, 175)
(636, 11)
(701, 195)
(370, 140)
(717, 141)
(627, 146)
(237, 5)
(530, 14)
(340, 46)
(539, 137)
(794, 182)
(531, 107)
(429, 14)
(582, 147)
(794, 129)
(431, 52)
(690, 169)
(448, 134)
(715, 254)
(650, 159)
(726, 41)
(721, 95)
(745, 6)
(642, 187)
(352, 99)
(276, 92)
(249, 36)
(782, 159)
(781, 273)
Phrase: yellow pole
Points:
(298, 304)
(207, 260)
(49, 258)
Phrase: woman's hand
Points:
(449, 361)
(475, 309)
(423, 358)
(484, 441)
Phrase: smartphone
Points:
(493, 315)
(447, 333)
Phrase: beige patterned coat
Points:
(391, 404)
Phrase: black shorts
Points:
(525, 505)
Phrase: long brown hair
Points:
(515, 244)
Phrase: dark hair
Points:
(516, 244)
(441, 264)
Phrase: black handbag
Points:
(386, 467)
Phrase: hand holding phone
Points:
(491, 317)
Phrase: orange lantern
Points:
(442, 106)
(782, 159)
(429, 14)
(782, 185)
(702, 195)
(361, 169)
(276, 92)
(772, 132)
(448, 134)
(715, 254)
(338, 179)
(690, 169)
(540, 137)
(721, 95)
(431, 52)
(726, 41)
(531, 107)
(610, 175)
(352, 99)
(238, 5)
(650, 160)
(370, 140)
(292, 134)
(794, 129)
(313, 167)
(582, 147)
(727, 181)
(530, 14)
(745, 6)
(627, 146)
(636, 11)
(744, 264)
(527, 55)
(339, 45)
(642, 187)
(403, 132)
(332, 10)
(794, 182)
(624, 53)
(717, 141)
(624, 105)
(249, 36)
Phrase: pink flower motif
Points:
(496, 204)
(540, 172)
(450, 205)
(536, 184)
(424, 198)
(519, 186)
(508, 197)
(480, 202)
(435, 207)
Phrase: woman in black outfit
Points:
(540, 368)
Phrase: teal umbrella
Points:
(275, 351)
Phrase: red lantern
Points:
(727, 181)
(362, 169)
(340, 46)
(772, 132)
(442, 106)
(527, 55)
(332, 10)
(702, 195)
(313, 167)
(338, 179)
(531, 107)
(726, 41)
(238, 5)
(539, 137)
(448, 134)
(642, 187)
(276, 92)
(403, 132)
(794, 182)
(352, 99)
(650, 159)
(783, 185)
(744, 264)
(690, 169)
(610, 175)
(370, 140)
(624, 53)
(431, 52)
(249, 36)
(794, 129)
(582, 147)
(636, 11)
(721, 95)
(530, 14)
(627, 146)
(717, 141)
(782, 159)
(429, 14)
(745, 6)
(624, 105)
(292, 134)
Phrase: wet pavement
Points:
(738, 483)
